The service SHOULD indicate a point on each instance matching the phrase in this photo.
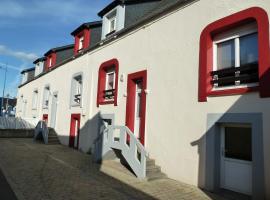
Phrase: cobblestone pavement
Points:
(54, 172)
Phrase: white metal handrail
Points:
(132, 149)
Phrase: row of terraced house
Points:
(189, 80)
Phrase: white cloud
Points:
(17, 54)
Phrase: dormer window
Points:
(50, 62)
(81, 42)
(112, 22)
(76, 90)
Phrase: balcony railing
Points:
(108, 94)
(235, 76)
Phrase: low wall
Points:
(17, 133)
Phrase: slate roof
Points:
(119, 2)
(70, 46)
(86, 25)
(28, 70)
(39, 59)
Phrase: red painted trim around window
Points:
(73, 119)
(53, 56)
(130, 106)
(45, 118)
(86, 33)
(206, 52)
(102, 81)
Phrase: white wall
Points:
(169, 49)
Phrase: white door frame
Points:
(224, 160)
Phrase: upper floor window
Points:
(76, 90)
(35, 100)
(46, 97)
(50, 62)
(108, 83)
(236, 58)
(24, 77)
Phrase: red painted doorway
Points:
(74, 130)
(136, 104)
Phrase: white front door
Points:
(138, 106)
(236, 158)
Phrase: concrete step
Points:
(156, 176)
(150, 162)
(153, 169)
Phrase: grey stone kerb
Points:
(212, 162)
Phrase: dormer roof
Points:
(70, 46)
(120, 2)
(28, 70)
(86, 25)
(39, 60)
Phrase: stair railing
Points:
(122, 138)
(42, 129)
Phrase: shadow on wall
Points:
(209, 145)
(91, 133)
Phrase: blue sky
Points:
(30, 28)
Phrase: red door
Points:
(136, 104)
(45, 118)
(74, 130)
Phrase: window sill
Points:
(106, 102)
(75, 105)
(234, 91)
(45, 108)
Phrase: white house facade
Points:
(190, 79)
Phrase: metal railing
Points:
(121, 138)
(17, 123)
(235, 75)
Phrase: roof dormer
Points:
(58, 55)
(113, 18)
(86, 35)
(39, 65)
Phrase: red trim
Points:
(45, 118)
(86, 33)
(53, 57)
(206, 51)
(72, 135)
(130, 107)
(102, 81)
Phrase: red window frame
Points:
(86, 33)
(53, 57)
(102, 82)
(45, 118)
(256, 14)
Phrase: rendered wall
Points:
(176, 122)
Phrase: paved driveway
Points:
(6, 192)
(55, 172)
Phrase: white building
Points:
(189, 78)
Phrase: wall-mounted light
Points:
(147, 91)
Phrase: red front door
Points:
(74, 130)
(136, 104)
(45, 118)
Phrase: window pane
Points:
(110, 85)
(225, 54)
(238, 143)
(249, 49)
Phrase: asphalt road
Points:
(6, 192)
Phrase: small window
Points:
(76, 93)
(50, 61)
(81, 42)
(35, 100)
(112, 24)
(46, 97)
(236, 60)
(107, 83)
